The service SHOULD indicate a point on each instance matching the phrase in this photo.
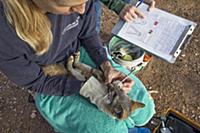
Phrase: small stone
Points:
(196, 54)
(153, 92)
(8, 129)
(14, 98)
(193, 111)
(33, 115)
(196, 40)
(183, 55)
(34, 111)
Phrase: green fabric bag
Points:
(75, 114)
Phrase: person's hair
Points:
(30, 23)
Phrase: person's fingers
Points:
(138, 13)
(129, 13)
(113, 75)
(133, 13)
(126, 89)
(151, 6)
(123, 13)
(127, 86)
(128, 17)
(128, 83)
(120, 76)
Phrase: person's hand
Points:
(151, 4)
(130, 12)
(112, 74)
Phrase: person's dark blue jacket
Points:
(21, 65)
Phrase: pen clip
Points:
(139, 3)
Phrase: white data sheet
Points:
(158, 33)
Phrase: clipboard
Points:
(160, 33)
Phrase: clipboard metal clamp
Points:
(183, 41)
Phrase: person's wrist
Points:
(105, 65)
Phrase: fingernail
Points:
(136, 16)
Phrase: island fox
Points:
(116, 103)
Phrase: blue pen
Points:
(140, 2)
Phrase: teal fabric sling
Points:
(75, 114)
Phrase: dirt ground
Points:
(178, 84)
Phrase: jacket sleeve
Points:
(14, 63)
(90, 38)
(116, 5)
(28, 74)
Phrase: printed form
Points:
(158, 32)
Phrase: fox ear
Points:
(135, 105)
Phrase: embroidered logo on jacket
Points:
(72, 25)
